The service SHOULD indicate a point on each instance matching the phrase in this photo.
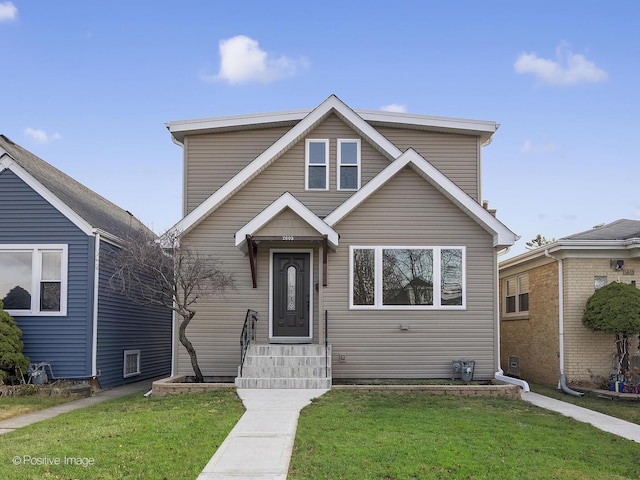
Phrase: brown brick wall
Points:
(535, 339)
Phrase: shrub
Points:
(13, 363)
(615, 309)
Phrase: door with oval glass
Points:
(291, 294)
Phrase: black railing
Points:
(248, 334)
(326, 344)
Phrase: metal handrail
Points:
(248, 334)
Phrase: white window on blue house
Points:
(317, 164)
(407, 278)
(348, 170)
(131, 363)
(33, 279)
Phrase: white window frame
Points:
(437, 278)
(307, 145)
(127, 353)
(339, 164)
(505, 292)
(36, 277)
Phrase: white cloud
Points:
(394, 107)
(528, 148)
(568, 69)
(243, 61)
(40, 136)
(8, 11)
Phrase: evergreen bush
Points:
(13, 363)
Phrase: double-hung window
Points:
(33, 279)
(516, 294)
(407, 277)
(317, 164)
(348, 171)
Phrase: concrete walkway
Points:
(609, 424)
(11, 424)
(259, 446)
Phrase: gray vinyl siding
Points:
(455, 155)
(407, 211)
(64, 342)
(213, 159)
(287, 173)
(126, 325)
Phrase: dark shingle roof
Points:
(622, 229)
(96, 210)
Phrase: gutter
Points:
(562, 382)
(499, 375)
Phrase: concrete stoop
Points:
(286, 366)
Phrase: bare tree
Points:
(170, 274)
(539, 241)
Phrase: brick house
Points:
(542, 297)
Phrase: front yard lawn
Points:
(21, 405)
(357, 435)
(169, 437)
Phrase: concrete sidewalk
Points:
(259, 446)
(609, 424)
(11, 424)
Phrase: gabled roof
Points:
(286, 200)
(304, 121)
(284, 143)
(502, 236)
(82, 206)
(619, 238)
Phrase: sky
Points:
(89, 87)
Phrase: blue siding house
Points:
(54, 237)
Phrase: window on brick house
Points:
(599, 281)
(516, 294)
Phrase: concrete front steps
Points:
(285, 366)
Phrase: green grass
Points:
(355, 435)
(21, 405)
(628, 410)
(133, 437)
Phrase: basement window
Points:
(131, 363)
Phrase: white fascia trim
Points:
(6, 162)
(286, 200)
(572, 248)
(331, 104)
(502, 236)
(180, 128)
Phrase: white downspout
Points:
(499, 375)
(562, 381)
(96, 285)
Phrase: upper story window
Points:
(407, 277)
(348, 170)
(317, 164)
(516, 294)
(33, 279)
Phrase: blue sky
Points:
(88, 86)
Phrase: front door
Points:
(291, 294)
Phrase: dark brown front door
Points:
(291, 294)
